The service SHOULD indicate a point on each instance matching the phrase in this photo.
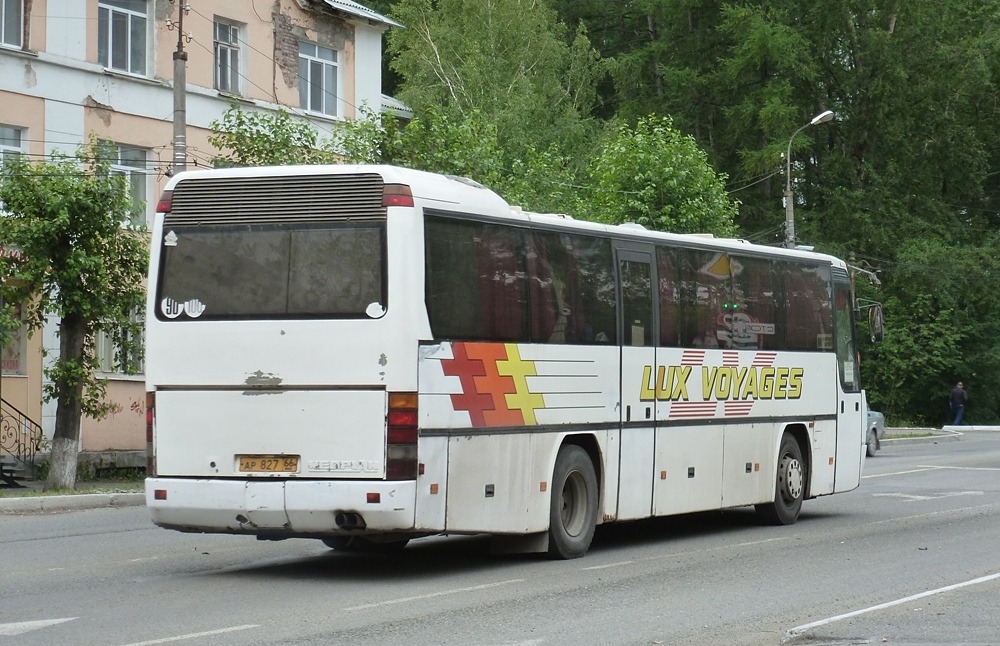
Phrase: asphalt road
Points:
(911, 557)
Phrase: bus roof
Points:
(450, 192)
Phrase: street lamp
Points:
(822, 117)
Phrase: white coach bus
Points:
(368, 354)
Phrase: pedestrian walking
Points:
(957, 402)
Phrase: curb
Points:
(71, 502)
(933, 436)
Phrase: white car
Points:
(876, 431)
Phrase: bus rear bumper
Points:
(281, 507)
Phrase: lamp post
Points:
(822, 117)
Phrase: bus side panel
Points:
(635, 470)
(688, 469)
(635, 493)
(824, 452)
(850, 442)
(432, 484)
(501, 406)
(484, 385)
(748, 464)
(494, 483)
(611, 452)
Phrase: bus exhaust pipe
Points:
(349, 520)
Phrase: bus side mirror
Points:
(876, 326)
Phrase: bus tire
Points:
(789, 488)
(573, 509)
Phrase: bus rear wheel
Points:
(789, 488)
(573, 510)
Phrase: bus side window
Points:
(571, 289)
(476, 282)
(670, 297)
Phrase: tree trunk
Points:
(69, 395)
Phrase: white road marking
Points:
(900, 473)
(967, 468)
(911, 497)
(21, 627)
(798, 630)
(167, 640)
(421, 597)
(606, 565)
(928, 467)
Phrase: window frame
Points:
(106, 351)
(7, 19)
(133, 173)
(17, 349)
(107, 13)
(237, 49)
(8, 149)
(307, 64)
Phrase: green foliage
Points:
(80, 260)
(921, 344)
(261, 138)
(655, 176)
(511, 60)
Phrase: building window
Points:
(10, 145)
(132, 162)
(16, 349)
(11, 22)
(318, 78)
(228, 76)
(10, 142)
(107, 351)
(121, 35)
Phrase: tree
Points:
(82, 261)
(265, 138)
(465, 145)
(655, 176)
(511, 60)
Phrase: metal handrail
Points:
(20, 436)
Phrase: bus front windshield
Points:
(318, 270)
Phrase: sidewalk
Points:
(94, 495)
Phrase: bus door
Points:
(851, 414)
(637, 335)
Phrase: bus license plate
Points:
(269, 463)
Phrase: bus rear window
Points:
(319, 270)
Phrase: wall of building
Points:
(58, 92)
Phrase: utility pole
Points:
(822, 117)
(180, 90)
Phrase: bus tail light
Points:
(397, 195)
(166, 201)
(150, 455)
(401, 437)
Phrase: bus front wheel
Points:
(789, 488)
(573, 511)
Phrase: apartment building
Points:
(70, 69)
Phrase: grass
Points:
(901, 436)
